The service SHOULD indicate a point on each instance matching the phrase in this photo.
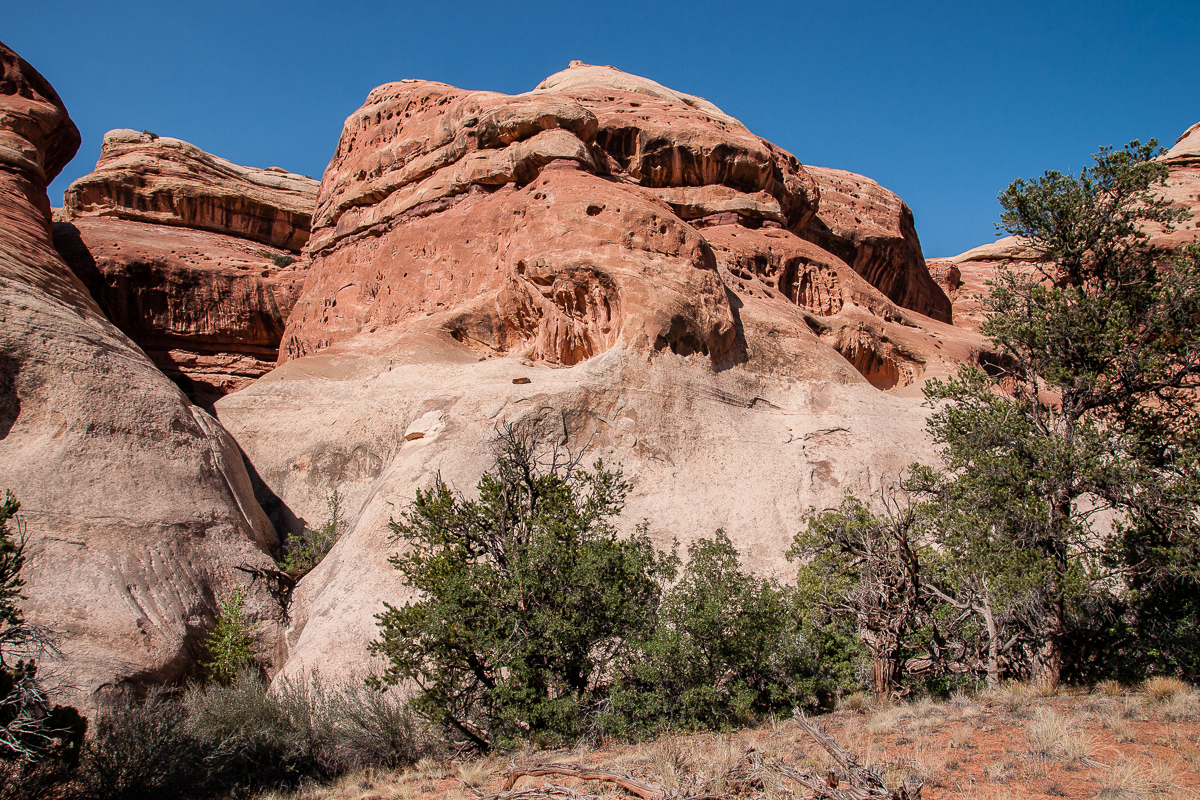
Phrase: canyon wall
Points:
(138, 507)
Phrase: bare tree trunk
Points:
(883, 675)
(1048, 658)
(993, 662)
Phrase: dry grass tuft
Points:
(1057, 737)
(961, 737)
(885, 720)
(1182, 707)
(429, 769)
(1131, 780)
(1162, 688)
(474, 773)
(859, 702)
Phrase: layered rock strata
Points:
(873, 231)
(149, 178)
(192, 256)
(138, 507)
(624, 262)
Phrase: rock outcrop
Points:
(624, 262)
(149, 178)
(872, 230)
(138, 507)
(193, 257)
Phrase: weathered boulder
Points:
(149, 178)
(138, 506)
(618, 259)
(872, 230)
(188, 254)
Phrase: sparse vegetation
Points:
(283, 260)
(229, 646)
(304, 551)
(39, 739)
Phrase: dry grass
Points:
(475, 773)
(859, 701)
(960, 737)
(1182, 707)
(1109, 688)
(1160, 688)
(1085, 744)
(1132, 780)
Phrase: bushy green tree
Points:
(1088, 410)
(729, 648)
(229, 646)
(527, 602)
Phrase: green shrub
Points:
(529, 601)
(228, 647)
(223, 740)
(303, 552)
(728, 648)
(282, 260)
(300, 730)
(140, 750)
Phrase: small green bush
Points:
(223, 740)
(300, 730)
(303, 552)
(282, 260)
(229, 646)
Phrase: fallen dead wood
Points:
(635, 787)
(745, 780)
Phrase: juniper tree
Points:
(1090, 406)
(527, 598)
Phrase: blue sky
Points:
(943, 103)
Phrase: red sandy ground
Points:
(1010, 744)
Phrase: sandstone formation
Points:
(624, 262)
(1182, 189)
(193, 257)
(137, 504)
(150, 178)
(872, 230)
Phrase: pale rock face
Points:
(149, 178)
(618, 259)
(138, 506)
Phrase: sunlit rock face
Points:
(965, 277)
(193, 257)
(620, 260)
(138, 506)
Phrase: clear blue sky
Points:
(942, 102)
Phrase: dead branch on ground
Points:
(746, 779)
